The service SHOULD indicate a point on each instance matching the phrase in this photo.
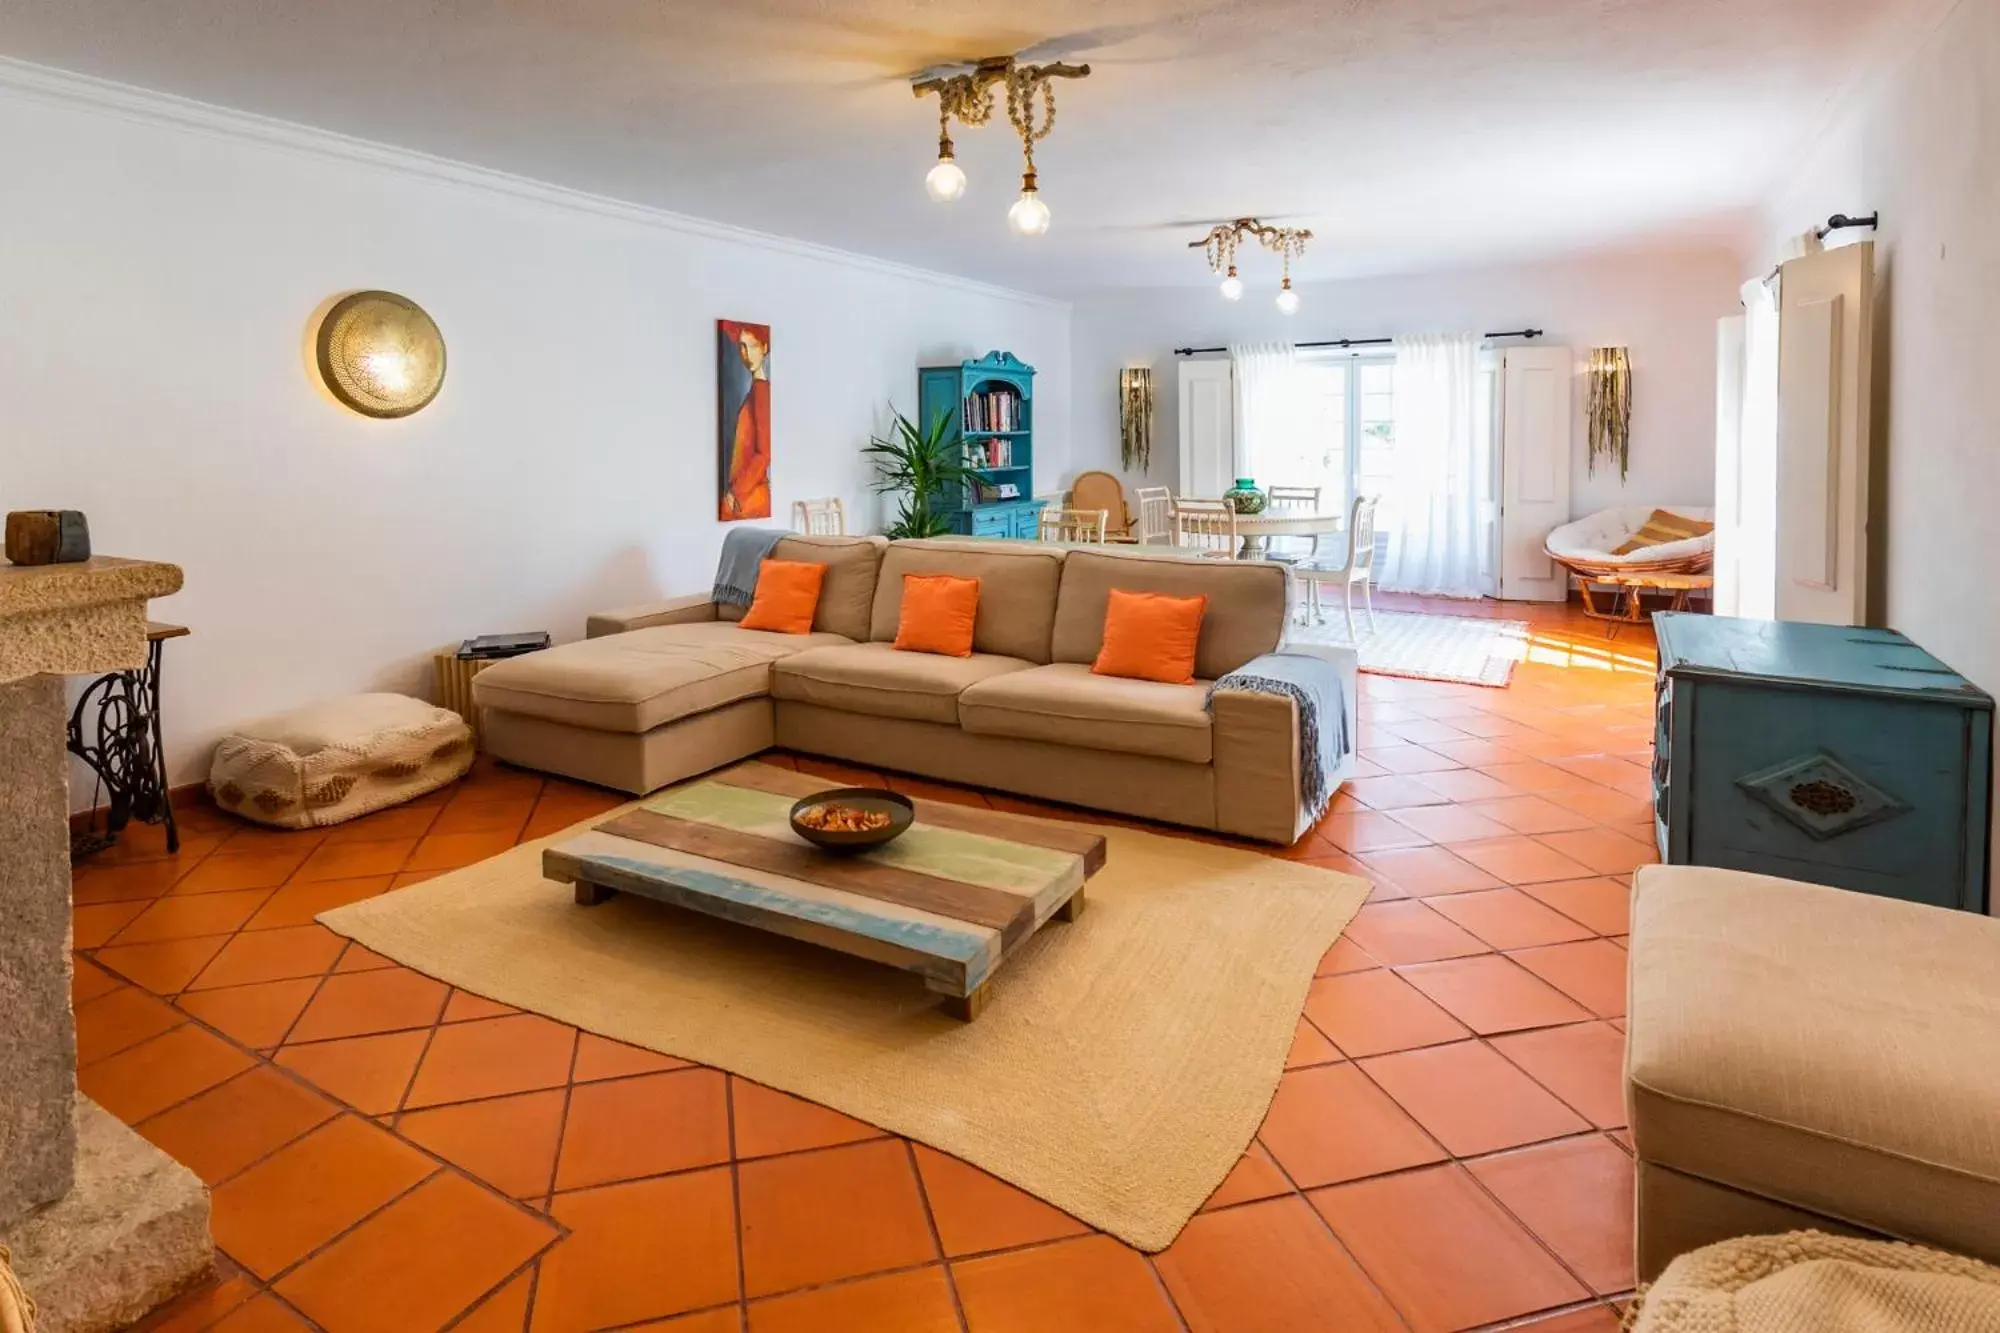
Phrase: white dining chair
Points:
(1072, 525)
(1156, 516)
(820, 518)
(1358, 567)
(1206, 527)
(1293, 500)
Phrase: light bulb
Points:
(389, 370)
(1288, 300)
(1029, 216)
(946, 181)
(1232, 286)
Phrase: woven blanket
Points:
(743, 549)
(1810, 1282)
(1313, 683)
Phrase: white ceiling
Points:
(1408, 134)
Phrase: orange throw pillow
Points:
(938, 613)
(1150, 636)
(787, 595)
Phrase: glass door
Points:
(1346, 440)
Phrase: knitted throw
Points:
(1810, 1282)
(1314, 685)
(743, 549)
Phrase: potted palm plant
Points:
(923, 465)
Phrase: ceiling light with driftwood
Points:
(1222, 242)
(1031, 108)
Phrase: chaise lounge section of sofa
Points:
(663, 692)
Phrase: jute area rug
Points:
(1466, 649)
(1120, 1068)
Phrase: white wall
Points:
(160, 263)
(1661, 304)
(1921, 143)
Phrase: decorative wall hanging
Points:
(743, 385)
(1135, 418)
(1610, 408)
(380, 354)
(1221, 244)
(1031, 109)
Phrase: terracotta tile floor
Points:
(387, 1153)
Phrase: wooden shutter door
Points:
(1535, 384)
(1207, 421)
(1825, 327)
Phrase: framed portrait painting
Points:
(743, 380)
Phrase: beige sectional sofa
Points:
(1801, 1056)
(662, 692)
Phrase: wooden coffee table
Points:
(949, 900)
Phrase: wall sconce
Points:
(380, 354)
(1609, 404)
(1135, 418)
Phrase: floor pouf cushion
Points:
(1807, 1280)
(338, 759)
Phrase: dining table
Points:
(1256, 529)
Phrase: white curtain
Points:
(1443, 462)
(1268, 397)
(1752, 544)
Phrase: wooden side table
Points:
(1630, 589)
(121, 744)
(454, 683)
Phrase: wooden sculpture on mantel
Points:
(47, 537)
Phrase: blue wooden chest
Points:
(1818, 752)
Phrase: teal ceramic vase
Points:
(1245, 498)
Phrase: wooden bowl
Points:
(901, 814)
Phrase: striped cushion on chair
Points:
(1663, 526)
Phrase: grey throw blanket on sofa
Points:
(743, 549)
(1314, 684)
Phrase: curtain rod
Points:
(1841, 222)
(1360, 342)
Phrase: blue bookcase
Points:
(991, 406)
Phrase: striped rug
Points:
(1465, 649)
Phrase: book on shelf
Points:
(995, 410)
(989, 454)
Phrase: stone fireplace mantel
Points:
(90, 616)
(103, 1226)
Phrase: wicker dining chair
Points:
(1156, 516)
(1072, 525)
(1357, 567)
(1206, 527)
(1100, 490)
(820, 518)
